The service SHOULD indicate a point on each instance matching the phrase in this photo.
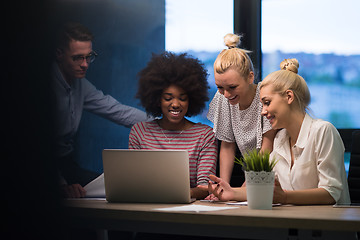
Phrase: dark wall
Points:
(126, 33)
(28, 178)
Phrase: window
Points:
(323, 36)
(198, 28)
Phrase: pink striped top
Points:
(199, 141)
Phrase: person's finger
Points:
(81, 190)
(214, 198)
(75, 191)
(210, 187)
(203, 187)
(217, 190)
(215, 178)
(221, 193)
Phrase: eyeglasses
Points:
(79, 59)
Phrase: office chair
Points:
(354, 169)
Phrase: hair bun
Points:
(290, 65)
(232, 40)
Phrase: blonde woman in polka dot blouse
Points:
(236, 108)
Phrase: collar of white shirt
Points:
(282, 146)
(304, 132)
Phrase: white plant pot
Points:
(259, 189)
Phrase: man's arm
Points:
(108, 107)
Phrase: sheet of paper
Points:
(194, 208)
(96, 188)
(245, 204)
(237, 203)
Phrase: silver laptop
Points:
(151, 176)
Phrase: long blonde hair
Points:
(287, 79)
(233, 57)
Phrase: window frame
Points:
(247, 21)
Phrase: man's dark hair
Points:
(72, 31)
(168, 69)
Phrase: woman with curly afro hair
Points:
(172, 87)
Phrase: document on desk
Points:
(246, 203)
(194, 208)
(237, 203)
(95, 188)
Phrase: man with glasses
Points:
(73, 93)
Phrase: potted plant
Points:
(259, 178)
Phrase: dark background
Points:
(126, 33)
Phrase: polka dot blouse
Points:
(245, 127)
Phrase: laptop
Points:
(146, 176)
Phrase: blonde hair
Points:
(233, 57)
(288, 79)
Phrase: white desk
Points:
(325, 222)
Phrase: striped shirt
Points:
(199, 141)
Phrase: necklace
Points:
(169, 140)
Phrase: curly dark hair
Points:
(168, 69)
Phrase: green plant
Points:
(256, 161)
